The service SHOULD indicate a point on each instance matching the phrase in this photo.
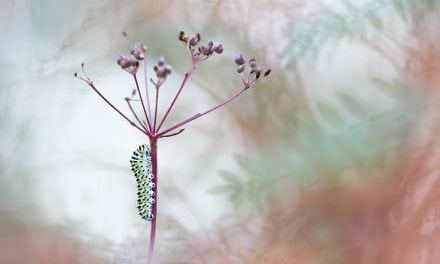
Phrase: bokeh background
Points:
(334, 158)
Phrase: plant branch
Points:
(173, 134)
(146, 85)
(185, 79)
(142, 102)
(194, 117)
(156, 106)
(134, 113)
(90, 83)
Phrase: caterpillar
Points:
(141, 167)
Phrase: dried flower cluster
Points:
(131, 64)
(162, 71)
(199, 52)
(254, 71)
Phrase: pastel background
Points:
(334, 158)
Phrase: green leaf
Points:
(351, 105)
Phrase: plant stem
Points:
(194, 117)
(153, 146)
(155, 109)
(146, 86)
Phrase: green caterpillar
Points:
(141, 167)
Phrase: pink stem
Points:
(155, 109)
(153, 146)
(185, 79)
(146, 86)
(117, 110)
(194, 117)
(142, 101)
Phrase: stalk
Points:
(153, 146)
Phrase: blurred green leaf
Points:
(385, 87)
(229, 177)
(351, 105)
(329, 114)
(220, 189)
(374, 20)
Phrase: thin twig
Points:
(146, 85)
(174, 134)
(134, 113)
(185, 79)
(90, 83)
(142, 102)
(194, 117)
(156, 106)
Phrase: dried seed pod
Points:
(193, 41)
(267, 72)
(239, 60)
(240, 68)
(167, 70)
(183, 37)
(253, 63)
(124, 62)
(161, 61)
(218, 48)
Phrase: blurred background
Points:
(333, 158)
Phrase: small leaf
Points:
(329, 114)
(351, 105)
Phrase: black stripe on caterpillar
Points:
(141, 167)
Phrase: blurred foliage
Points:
(355, 21)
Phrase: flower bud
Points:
(160, 73)
(167, 70)
(205, 50)
(161, 61)
(239, 60)
(123, 62)
(240, 68)
(253, 63)
(218, 48)
(183, 37)
(193, 41)
(258, 69)
(138, 51)
(267, 72)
